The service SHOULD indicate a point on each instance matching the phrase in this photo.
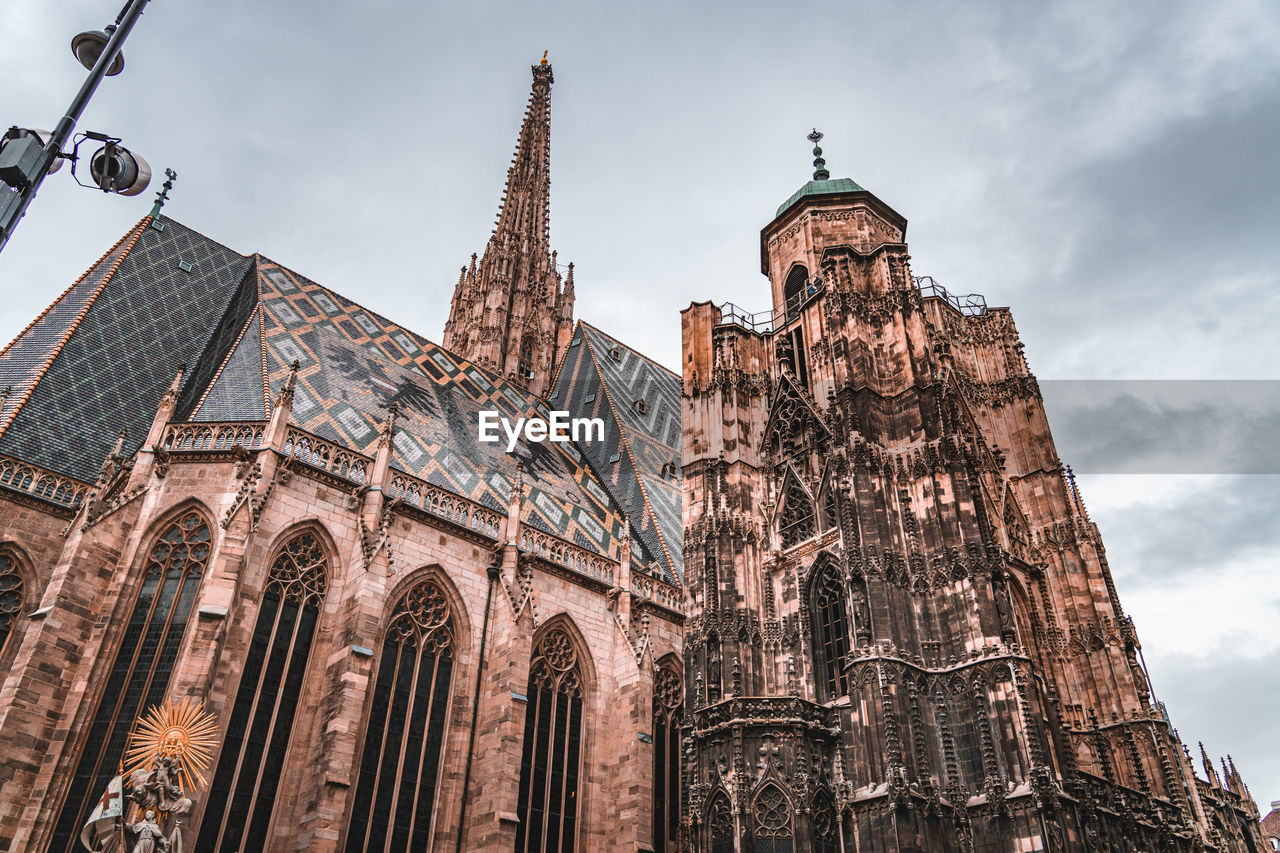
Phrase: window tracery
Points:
(550, 764)
(771, 819)
(140, 673)
(242, 797)
(668, 707)
(404, 738)
(796, 522)
(831, 631)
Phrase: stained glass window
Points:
(549, 766)
(830, 631)
(668, 705)
(396, 789)
(243, 793)
(139, 675)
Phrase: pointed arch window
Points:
(396, 788)
(140, 673)
(551, 759)
(830, 510)
(720, 824)
(243, 793)
(524, 365)
(795, 289)
(12, 594)
(796, 522)
(830, 631)
(825, 827)
(771, 821)
(668, 707)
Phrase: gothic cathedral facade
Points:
(830, 589)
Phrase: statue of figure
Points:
(140, 790)
(1139, 677)
(713, 675)
(861, 618)
(1004, 609)
(150, 836)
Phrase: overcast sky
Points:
(1107, 170)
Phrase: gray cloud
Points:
(1194, 533)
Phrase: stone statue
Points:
(150, 836)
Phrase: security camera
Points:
(116, 169)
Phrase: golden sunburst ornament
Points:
(183, 733)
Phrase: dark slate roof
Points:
(602, 377)
(101, 357)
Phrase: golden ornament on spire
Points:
(183, 733)
(544, 58)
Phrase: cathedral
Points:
(829, 588)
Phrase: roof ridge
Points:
(136, 232)
(626, 444)
(618, 340)
(230, 352)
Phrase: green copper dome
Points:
(828, 187)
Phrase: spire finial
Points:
(544, 58)
(163, 195)
(820, 172)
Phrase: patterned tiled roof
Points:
(639, 459)
(102, 356)
(353, 364)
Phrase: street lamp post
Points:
(29, 156)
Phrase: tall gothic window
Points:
(830, 511)
(830, 631)
(720, 824)
(668, 702)
(243, 793)
(139, 675)
(396, 788)
(771, 819)
(548, 805)
(11, 595)
(796, 522)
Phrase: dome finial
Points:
(820, 172)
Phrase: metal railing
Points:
(732, 315)
(971, 304)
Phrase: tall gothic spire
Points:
(510, 313)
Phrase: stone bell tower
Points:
(511, 311)
(880, 542)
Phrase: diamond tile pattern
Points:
(353, 364)
(639, 401)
